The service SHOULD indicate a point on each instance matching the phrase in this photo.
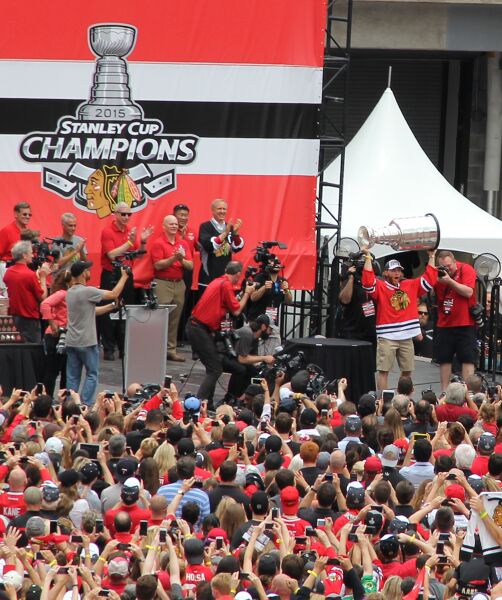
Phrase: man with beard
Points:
(81, 339)
(397, 315)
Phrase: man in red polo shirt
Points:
(171, 256)
(117, 238)
(11, 233)
(217, 300)
(27, 289)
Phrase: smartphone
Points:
(109, 394)
(451, 477)
(420, 435)
(39, 556)
(215, 423)
(67, 394)
(377, 508)
(321, 522)
(76, 539)
(162, 535)
(39, 389)
(387, 395)
(143, 528)
(240, 441)
(33, 424)
(23, 460)
(104, 593)
(310, 532)
(275, 513)
(444, 537)
(324, 412)
(53, 527)
(243, 576)
(328, 477)
(219, 542)
(301, 540)
(123, 546)
(129, 450)
(198, 483)
(352, 535)
(263, 426)
(100, 526)
(168, 379)
(256, 380)
(195, 418)
(270, 526)
(17, 445)
(63, 571)
(492, 390)
(91, 449)
(333, 561)
(75, 419)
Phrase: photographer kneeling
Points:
(244, 365)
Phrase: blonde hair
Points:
(223, 506)
(392, 588)
(165, 458)
(393, 421)
(222, 582)
(148, 447)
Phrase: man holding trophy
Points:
(397, 298)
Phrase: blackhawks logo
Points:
(399, 300)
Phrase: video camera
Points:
(42, 253)
(149, 297)
(286, 363)
(354, 259)
(119, 263)
(268, 261)
(226, 341)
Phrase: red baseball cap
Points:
(373, 465)
(290, 500)
(455, 490)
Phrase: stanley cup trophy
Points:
(111, 95)
(404, 233)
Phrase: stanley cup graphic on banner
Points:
(109, 153)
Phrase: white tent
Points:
(388, 175)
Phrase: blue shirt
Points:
(193, 495)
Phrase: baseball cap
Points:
(308, 417)
(374, 519)
(393, 264)
(455, 490)
(355, 494)
(353, 423)
(273, 443)
(186, 447)
(13, 578)
(263, 320)
(192, 404)
(290, 500)
(54, 446)
(118, 566)
(35, 527)
(389, 546)
(373, 465)
(476, 482)
(253, 390)
(259, 503)
(215, 532)
(194, 551)
(79, 267)
(399, 524)
(486, 442)
(125, 468)
(267, 565)
(390, 456)
(89, 472)
(50, 492)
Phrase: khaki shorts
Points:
(389, 350)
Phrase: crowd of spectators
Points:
(283, 496)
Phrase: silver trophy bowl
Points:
(112, 40)
(403, 233)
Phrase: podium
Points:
(145, 344)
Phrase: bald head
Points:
(33, 498)
(158, 506)
(121, 207)
(337, 461)
(170, 226)
(17, 480)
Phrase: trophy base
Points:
(109, 112)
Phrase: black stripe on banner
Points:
(204, 119)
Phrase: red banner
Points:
(179, 102)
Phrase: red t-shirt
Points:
(107, 584)
(190, 237)
(9, 235)
(193, 576)
(406, 569)
(112, 237)
(451, 412)
(218, 299)
(12, 504)
(295, 525)
(480, 466)
(25, 292)
(459, 311)
(162, 248)
(136, 513)
(156, 401)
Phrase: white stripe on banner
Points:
(187, 82)
(215, 156)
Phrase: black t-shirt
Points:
(273, 297)
(404, 510)
(134, 438)
(310, 474)
(312, 514)
(392, 475)
(222, 490)
(354, 324)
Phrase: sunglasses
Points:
(26, 214)
(423, 312)
(125, 214)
